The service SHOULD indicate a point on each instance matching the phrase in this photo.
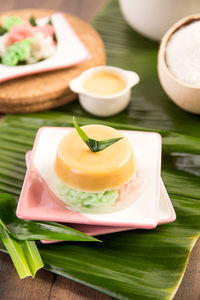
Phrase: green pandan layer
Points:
(79, 199)
(8, 22)
(17, 52)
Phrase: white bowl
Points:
(184, 95)
(152, 18)
(100, 105)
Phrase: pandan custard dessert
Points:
(96, 166)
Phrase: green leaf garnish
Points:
(24, 254)
(18, 237)
(32, 21)
(2, 30)
(40, 230)
(17, 52)
(54, 35)
(50, 22)
(94, 146)
(8, 22)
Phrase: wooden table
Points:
(48, 286)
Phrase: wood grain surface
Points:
(47, 286)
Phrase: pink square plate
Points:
(39, 197)
(65, 55)
(166, 214)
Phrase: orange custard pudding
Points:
(104, 83)
(95, 179)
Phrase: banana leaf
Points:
(31, 230)
(140, 264)
(24, 254)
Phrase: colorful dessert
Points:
(96, 166)
(26, 41)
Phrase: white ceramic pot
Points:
(100, 105)
(153, 18)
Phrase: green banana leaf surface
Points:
(31, 230)
(139, 264)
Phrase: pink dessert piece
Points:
(20, 32)
(47, 30)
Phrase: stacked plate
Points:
(149, 204)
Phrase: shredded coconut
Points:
(183, 54)
(42, 47)
(4, 43)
